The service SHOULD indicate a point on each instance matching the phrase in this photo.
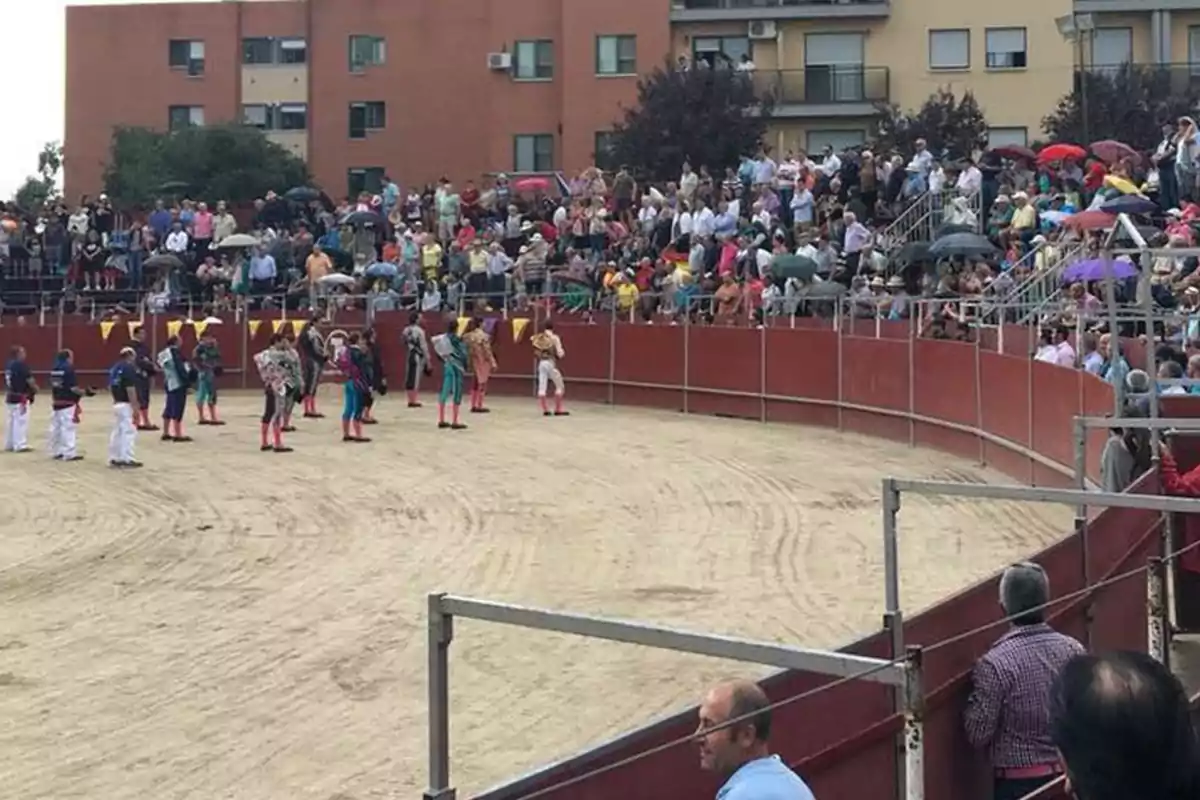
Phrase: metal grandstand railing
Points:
(1047, 289)
(921, 220)
(1038, 287)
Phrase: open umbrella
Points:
(382, 269)
(174, 187)
(1111, 151)
(912, 253)
(1014, 151)
(1094, 269)
(951, 228)
(1061, 152)
(361, 218)
(336, 279)
(794, 266)
(238, 240)
(163, 261)
(1054, 217)
(1130, 204)
(302, 194)
(962, 244)
(532, 185)
(1090, 220)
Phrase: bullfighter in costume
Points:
(295, 380)
(177, 377)
(206, 358)
(373, 359)
(548, 350)
(483, 361)
(416, 361)
(313, 356)
(453, 352)
(355, 389)
(273, 369)
(145, 374)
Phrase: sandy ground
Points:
(233, 624)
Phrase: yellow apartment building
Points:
(831, 61)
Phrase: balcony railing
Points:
(1175, 78)
(738, 5)
(828, 85)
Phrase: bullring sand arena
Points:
(227, 623)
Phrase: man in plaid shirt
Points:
(1008, 712)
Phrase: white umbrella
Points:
(213, 321)
(336, 279)
(238, 240)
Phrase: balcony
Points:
(747, 10)
(824, 91)
(1160, 79)
(1133, 6)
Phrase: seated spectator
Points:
(1006, 714)
(738, 751)
(1122, 727)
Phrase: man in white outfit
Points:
(19, 389)
(64, 402)
(548, 350)
(122, 380)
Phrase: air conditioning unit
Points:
(762, 29)
(499, 61)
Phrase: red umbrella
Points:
(532, 185)
(1061, 152)
(1111, 151)
(1015, 152)
(1090, 221)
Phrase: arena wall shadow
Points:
(997, 408)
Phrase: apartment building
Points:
(423, 88)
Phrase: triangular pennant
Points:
(133, 326)
(174, 326)
(297, 326)
(277, 324)
(106, 329)
(462, 324)
(519, 324)
(253, 325)
(200, 326)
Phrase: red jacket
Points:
(1187, 484)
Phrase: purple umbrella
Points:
(1093, 269)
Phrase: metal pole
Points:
(979, 401)
(1151, 356)
(891, 556)
(1029, 414)
(1081, 523)
(59, 332)
(612, 355)
(914, 727)
(1083, 92)
(1114, 334)
(1156, 629)
(912, 391)
(687, 357)
(840, 370)
(893, 623)
(441, 633)
(244, 322)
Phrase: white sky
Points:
(35, 39)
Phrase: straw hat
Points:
(895, 282)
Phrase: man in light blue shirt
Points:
(262, 271)
(739, 752)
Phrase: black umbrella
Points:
(912, 253)
(794, 266)
(951, 228)
(302, 194)
(360, 218)
(163, 261)
(962, 244)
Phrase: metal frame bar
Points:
(1039, 494)
(443, 608)
(1181, 424)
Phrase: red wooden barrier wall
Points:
(968, 399)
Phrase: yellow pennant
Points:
(253, 325)
(297, 326)
(277, 324)
(174, 326)
(462, 324)
(519, 324)
(200, 327)
(106, 329)
(133, 326)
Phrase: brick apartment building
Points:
(419, 88)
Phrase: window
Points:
(1111, 47)
(366, 117)
(258, 116)
(950, 49)
(720, 49)
(180, 117)
(364, 179)
(260, 50)
(293, 51)
(533, 153)
(1006, 48)
(186, 54)
(1008, 137)
(269, 50)
(367, 51)
(603, 155)
(1194, 50)
(616, 55)
(285, 117)
(833, 68)
(293, 117)
(533, 60)
(839, 140)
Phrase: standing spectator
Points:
(202, 231)
(738, 752)
(224, 223)
(160, 221)
(177, 240)
(1007, 712)
(262, 271)
(1122, 726)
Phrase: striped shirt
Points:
(1008, 711)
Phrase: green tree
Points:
(1130, 103)
(38, 189)
(709, 117)
(946, 123)
(224, 162)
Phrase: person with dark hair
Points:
(273, 370)
(453, 351)
(354, 389)
(376, 379)
(19, 390)
(177, 377)
(416, 359)
(65, 393)
(735, 725)
(313, 355)
(1122, 727)
(145, 375)
(1007, 711)
(483, 361)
